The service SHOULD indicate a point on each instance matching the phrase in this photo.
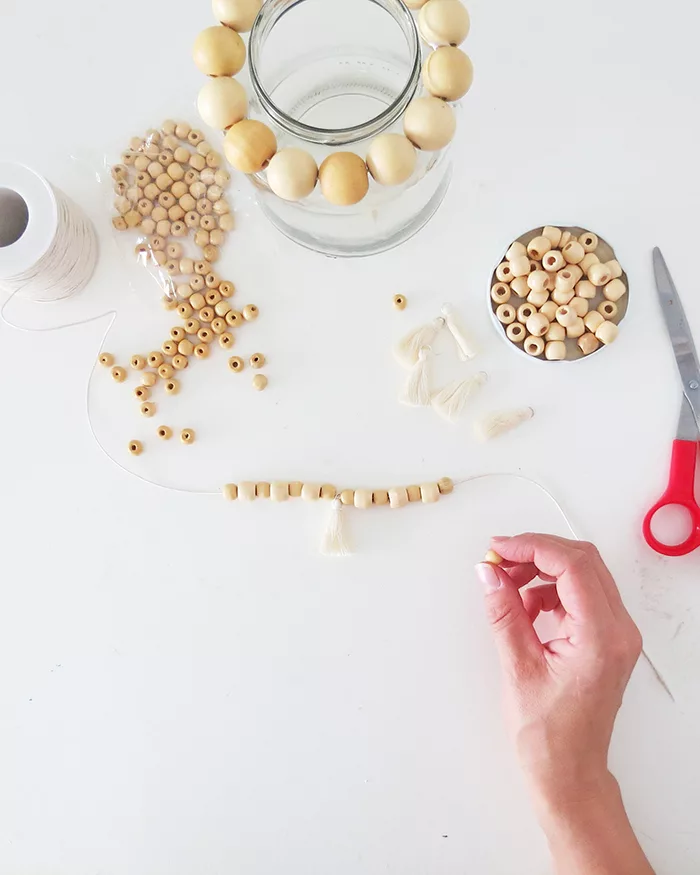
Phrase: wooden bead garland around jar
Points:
(565, 288)
(251, 146)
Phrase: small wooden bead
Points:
(295, 489)
(166, 372)
(237, 14)
(257, 360)
(164, 432)
(196, 285)
(191, 177)
(429, 123)
(211, 253)
(599, 274)
(579, 306)
(413, 493)
(159, 258)
(247, 492)
(206, 314)
(446, 486)
(516, 332)
(235, 363)
(205, 334)
(177, 333)
(504, 272)
(614, 268)
(204, 207)
(209, 223)
(328, 492)
(201, 238)
(164, 182)
(149, 379)
(347, 497)
(213, 299)
(556, 332)
(145, 207)
(537, 325)
(185, 347)
(555, 351)
(524, 312)
(201, 351)
(538, 299)
(549, 309)
(520, 287)
(106, 359)
(519, 266)
(135, 448)
(230, 492)
(168, 127)
(260, 382)
(227, 289)
(119, 223)
(448, 73)
(175, 171)
(593, 320)
(221, 308)
(218, 51)
(566, 237)
(363, 499)
(538, 247)
(588, 343)
(148, 409)
(429, 493)
(588, 259)
(398, 497)
(553, 235)
(615, 290)
(198, 301)
(566, 316)
(226, 222)
(553, 261)
(180, 362)
(576, 329)
(586, 289)
(534, 346)
(380, 497)
(212, 282)
(249, 146)
(443, 23)
(566, 280)
(214, 160)
(218, 325)
(310, 492)
(608, 309)
(194, 138)
(217, 236)
(148, 226)
(222, 178)
(506, 314)
(400, 302)
(538, 281)
(185, 311)
(279, 491)
(500, 293)
(143, 393)
(176, 213)
(607, 332)
(118, 375)
(187, 436)
(202, 268)
(588, 241)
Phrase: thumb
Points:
(514, 634)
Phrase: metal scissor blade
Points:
(679, 332)
(688, 429)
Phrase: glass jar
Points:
(330, 75)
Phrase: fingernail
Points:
(488, 576)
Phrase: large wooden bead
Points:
(443, 23)
(391, 159)
(448, 73)
(429, 123)
(249, 146)
(237, 14)
(607, 332)
(222, 102)
(219, 51)
(343, 178)
(292, 174)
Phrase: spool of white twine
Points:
(48, 246)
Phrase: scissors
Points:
(681, 484)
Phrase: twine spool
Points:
(48, 246)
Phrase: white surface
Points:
(186, 686)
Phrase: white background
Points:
(185, 685)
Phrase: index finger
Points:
(578, 583)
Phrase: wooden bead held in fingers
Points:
(292, 174)
(219, 51)
(249, 146)
(343, 179)
(239, 15)
(443, 23)
(222, 103)
(430, 123)
(448, 73)
(391, 159)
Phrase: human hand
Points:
(561, 696)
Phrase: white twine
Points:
(67, 264)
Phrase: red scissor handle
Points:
(680, 491)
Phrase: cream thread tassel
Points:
(407, 350)
(416, 391)
(499, 423)
(451, 401)
(335, 541)
(465, 348)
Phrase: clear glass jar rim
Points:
(271, 12)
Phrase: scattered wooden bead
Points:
(448, 73)
(187, 436)
(118, 375)
(260, 382)
(257, 360)
(135, 448)
(169, 347)
(106, 359)
(400, 302)
(249, 145)
(177, 333)
(149, 379)
(165, 432)
(185, 348)
(166, 372)
(201, 351)
(534, 346)
(205, 335)
(218, 51)
(443, 23)
(148, 409)
(516, 332)
(218, 325)
(430, 123)
(143, 393)
(506, 314)
(180, 362)
(607, 332)
(235, 363)
(588, 343)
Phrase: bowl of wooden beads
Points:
(559, 294)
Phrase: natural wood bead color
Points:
(398, 497)
(448, 73)
(172, 387)
(230, 492)
(135, 448)
(347, 497)
(443, 23)
(549, 309)
(143, 393)
(599, 274)
(555, 351)
(538, 299)
(187, 436)
(506, 314)
(615, 290)
(537, 325)
(429, 493)
(343, 178)
(257, 360)
(249, 145)
(391, 159)
(519, 266)
(576, 329)
(219, 51)
(279, 491)
(608, 309)
(500, 293)
(260, 382)
(166, 372)
(534, 346)
(553, 234)
(430, 123)
(520, 287)
(538, 247)
(607, 332)
(292, 174)
(138, 362)
(593, 320)
(588, 241)
(524, 312)
(164, 432)
(614, 268)
(504, 272)
(446, 486)
(311, 492)
(247, 492)
(380, 497)
(588, 343)
(222, 103)
(553, 261)
(516, 332)
(363, 499)
(149, 379)
(107, 359)
(400, 302)
(148, 409)
(118, 375)
(579, 306)
(586, 289)
(413, 493)
(555, 332)
(237, 14)
(235, 363)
